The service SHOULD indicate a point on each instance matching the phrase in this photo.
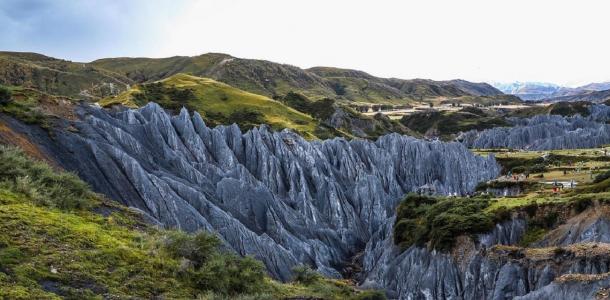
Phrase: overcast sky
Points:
(564, 42)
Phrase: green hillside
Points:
(256, 76)
(448, 123)
(110, 76)
(59, 77)
(59, 240)
(220, 103)
(273, 79)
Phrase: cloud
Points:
(80, 30)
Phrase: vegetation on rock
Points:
(422, 220)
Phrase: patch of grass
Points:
(532, 235)
(219, 103)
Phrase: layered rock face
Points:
(493, 268)
(546, 132)
(273, 195)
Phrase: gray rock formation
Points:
(289, 201)
(487, 270)
(546, 132)
(276, 196)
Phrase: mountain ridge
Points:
(316, 82)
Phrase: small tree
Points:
(305, 275)
(5, 95)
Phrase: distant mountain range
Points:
(533, 91)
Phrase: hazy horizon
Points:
(559, 42)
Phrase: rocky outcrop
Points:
(273, 195)
(492, 267)
(546, 132)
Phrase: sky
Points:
(563, 42)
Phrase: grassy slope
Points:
(213, 98)
(59, 77)
(256, 76)
(62, 241)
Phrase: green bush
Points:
(305, 275)
(209, 269)
(197, 248)
(41, 183)
(230, 274)
(5, 95)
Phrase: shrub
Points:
(197, 247)
(230, 274)
(5, 95)
(212, 270)
(305, 275)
